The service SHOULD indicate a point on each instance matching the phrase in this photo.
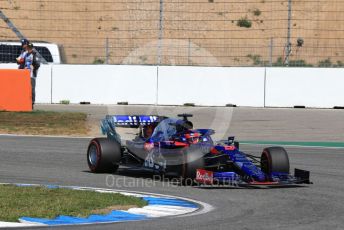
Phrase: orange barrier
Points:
(15, 90)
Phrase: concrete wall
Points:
(214, 86)
(104, 84)
(176, 85)
(311, 87)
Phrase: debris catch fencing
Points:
(188, 32)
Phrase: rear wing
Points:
(111, 122)
(133, 121)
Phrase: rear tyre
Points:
(192, 160)
(103, 155)
(274, 160)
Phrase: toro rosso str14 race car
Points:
(171, 146)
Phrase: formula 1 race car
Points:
(171, 146)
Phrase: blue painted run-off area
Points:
(169, 201)
(113, 216)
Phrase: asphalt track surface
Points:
(62, 161)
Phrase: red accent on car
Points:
(214, 151)
(230, 147)
(182, 144)
(204, 176)
(193, 140)
(191, 135)
(148, 146)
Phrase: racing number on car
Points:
(149, 161)
(155, 161)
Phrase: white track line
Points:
(16, 225)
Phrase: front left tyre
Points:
(103, 155)
(275, 160)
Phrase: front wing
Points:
(206, 177)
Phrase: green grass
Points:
(41, 202)
(43, 123)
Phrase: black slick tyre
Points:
(103, 155)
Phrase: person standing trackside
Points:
(31, 63)
(21, 58)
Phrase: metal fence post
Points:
(189, 51)
(107, 54)
(288, 45)
(161, 21)
(271, 51)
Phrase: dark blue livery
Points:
(172, 147)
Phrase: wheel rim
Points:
(93, 155)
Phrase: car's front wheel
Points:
(275, 160)
(103, 155)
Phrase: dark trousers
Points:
(33, 85)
